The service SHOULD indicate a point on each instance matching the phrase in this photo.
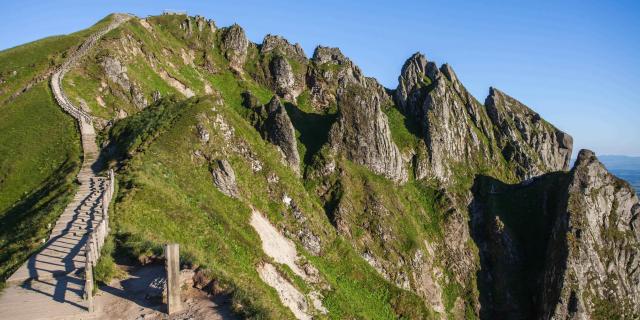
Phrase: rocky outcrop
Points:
(284, 66)
(527, 141)
(455, 127)
(565, 245)
(279, 130)
(362, 131)
(328, 70)
(234, 46)
(224, 178)
(280, 45)
(594, 258)
(283, 78)
(463, 135)
(117, 73)
(413, 81)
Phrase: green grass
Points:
(41, 156)
(34, 58)
(404, 131)
(166, 191)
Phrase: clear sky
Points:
(576, 62)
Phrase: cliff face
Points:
(530, 143)
(423, 191)
(594, 271)
(279, 131)
(563, 246)
(455, 127)
(362, 131)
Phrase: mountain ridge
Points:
(389, 193)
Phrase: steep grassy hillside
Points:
(41, 154)
(166, 188)
(39, 144)
(413, 203)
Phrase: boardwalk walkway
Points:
(50, 283)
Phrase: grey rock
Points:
(280, 45)
(534, 145)
(594, 254)
(455, 127)
(235, 45)
(203, 133)
(362, 131)
(139, 100)
(280, 131)
(284, 78)
(156, 95)
(224, 178)
(281, 76)
(413, 78)
(328, 72)
(116, 72)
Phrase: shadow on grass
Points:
(313, 127)
(24, 223)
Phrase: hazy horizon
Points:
(575, 63)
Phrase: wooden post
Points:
(172, 255)
(88, 278)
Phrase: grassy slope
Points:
(39, 144)
(40, 149)
(220, 236)
(34, 58)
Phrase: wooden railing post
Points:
(88, 277)
(172, 256)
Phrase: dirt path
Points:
(139, 296)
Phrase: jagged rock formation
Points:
(281, 66)
(278, 44)
(117, 73)
(593, 270)
(224, 178)
(362, 131)
(456, 128)
(329, 68)
(528, 241)
(283, 78)
(279, 131)
(533, 145)
(235, 44)
(563, 246)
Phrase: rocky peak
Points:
(448, 72)
(279, 130)
(362, 132)
(416, 74)
(533, 145)
(594, 266)
(278, 44)
(283, 78)
(454, 125)
(235, 45)
(329, 55)
(329, 72)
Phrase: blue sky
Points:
(577, 63)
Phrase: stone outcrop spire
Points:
(362, 131)
(235, 45)
(594, 254)
(533, 145)
(280, 131)
(412, 77)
